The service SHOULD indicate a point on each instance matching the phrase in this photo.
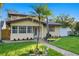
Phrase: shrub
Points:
(18, 39)
(31, 51)
(23, 39)
(27, 38)
(14, 39)
(40, 52)
(30, 38)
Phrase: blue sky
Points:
(57, 8)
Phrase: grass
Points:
(50, 39)
(53, 53)
(22, 48)
(70, 43)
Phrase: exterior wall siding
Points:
(43, 30)
(64, 31)
(23, 35)
(25, 23)
(53, 33)
(56, 32)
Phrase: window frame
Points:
(29, 29)
(22, 30)
(14, 30)
(51, 29)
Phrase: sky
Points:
(71, 9)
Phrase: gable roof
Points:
(22, 19)
(53, 24)
(30, 19)
(19, 14)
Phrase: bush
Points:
(48, 35)
(40, 52)
(23, 39)
(30, 38)
(27, 38)
(71, 34)
(31, 51)
(14, 39)
(18, 39)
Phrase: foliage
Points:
(70, 43)
(65, 20)
(37, 11)
(77, 27)
(1, 5)
(41, 11)
(46, 13)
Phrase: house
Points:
(24, 26)
(65, 31)
(1, 25)
(4, 32)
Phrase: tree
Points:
(77, 28)
(1, 5)
(46, 13)
(65, 20)
(38, 12)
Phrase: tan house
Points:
(24, 26)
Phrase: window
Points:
(29, 29)
(51, 29)
(22, 29)
(14, 29)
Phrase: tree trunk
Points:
(47, 35)
(37, 50)
(47, 26)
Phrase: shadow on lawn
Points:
(15, 48)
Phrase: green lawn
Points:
(70, 43)
(22, 48)
(53, 53)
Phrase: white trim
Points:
(4, 25)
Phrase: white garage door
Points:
(63, 32)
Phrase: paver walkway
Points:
(62, 51)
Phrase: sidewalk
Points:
(62, 51)
(9, 41)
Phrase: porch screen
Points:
(22, 29)
(14, 29)
(29, 29)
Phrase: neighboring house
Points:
(5, 33)
(24, 26)
(1, 25)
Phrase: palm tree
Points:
(47, 13)
(42, 12)
(38, 12)
(1, 5)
